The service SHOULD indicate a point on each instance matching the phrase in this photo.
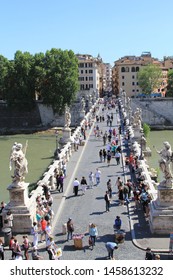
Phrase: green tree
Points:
(146, 129)
(149, 78)
(60, 79)
(3, 73)
(169, 92)
(19, 83)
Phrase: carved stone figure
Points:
(82, 104)
(67, 117)
(19, 162)
(165, 164)
(137, 119)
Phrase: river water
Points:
(157, 138)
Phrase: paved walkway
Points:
(90, 207)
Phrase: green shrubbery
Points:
(146, 129)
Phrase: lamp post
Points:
(56, 153)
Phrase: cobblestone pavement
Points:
(90, 207)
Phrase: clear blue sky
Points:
(112, 28)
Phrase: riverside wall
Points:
(157, 112)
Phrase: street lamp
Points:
(57, 150)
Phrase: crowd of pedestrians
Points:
(111, 154)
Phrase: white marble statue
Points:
(137, 123)
(19, 162)
(67, 117)
(165, 164)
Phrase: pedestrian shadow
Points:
(97, 213)
(72, 196)
(101, 258)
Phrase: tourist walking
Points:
(34, 232)
(70, 228)
(104, 155)
(83, 185)
(117, 157)
(76, 185)
(121, 195)
(97, 176)
(107, 200)
(25, 246)
(109, 188)
(91, 179)
(101, 155)
(93, 232)
(108, 158)
(61, 182)
(118, 183)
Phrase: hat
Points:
(69, 219)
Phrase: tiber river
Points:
(41, 152)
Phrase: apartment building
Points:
(124, 73)
(90, 73)
(107, 77)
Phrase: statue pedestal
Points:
(161, 212)
(23, 212)
(82, 114)
(66, 135)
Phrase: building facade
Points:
(90, 73)
(124, 73)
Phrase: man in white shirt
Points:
(76, 184)
(97, 176)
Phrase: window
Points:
(133, 83)
(133, 77)
(86, 65)
(122, 77)
(90, 71)
(90, 85)
(90, 64)
(86, 71)
(81, 71)
(133, 69)
(123, 83)
(82, 87)
(90, 78)
(86, 78)
(123, 69)
(81, 65)
(137, 69)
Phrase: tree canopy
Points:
(169, 92)
(53, 76)
(59, 81)
(149, 78)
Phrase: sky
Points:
(111, 28)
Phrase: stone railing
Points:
(136, 149)
(64, 156)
